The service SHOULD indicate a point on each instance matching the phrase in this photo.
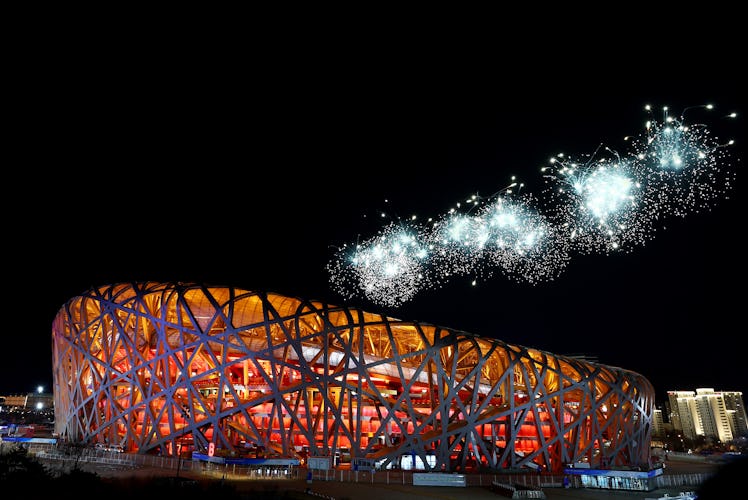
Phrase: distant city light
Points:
(39, 405)
(40, 389)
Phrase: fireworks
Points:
(686, 169)
(388, 269)
(506, 234)
(599, 204)
(594, 203)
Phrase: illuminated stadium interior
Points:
(173, 367)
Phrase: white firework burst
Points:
(388, 269)
(594, 203)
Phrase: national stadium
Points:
(164, 368)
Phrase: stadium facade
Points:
(168, 367)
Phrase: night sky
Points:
(251, 174)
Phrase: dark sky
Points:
(249, 172)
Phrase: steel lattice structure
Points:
(153, 366)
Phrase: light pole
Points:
(180, 444)
(179, 458)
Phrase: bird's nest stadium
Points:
(160, 367)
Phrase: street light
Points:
(180, 442)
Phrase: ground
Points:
(337, 490)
